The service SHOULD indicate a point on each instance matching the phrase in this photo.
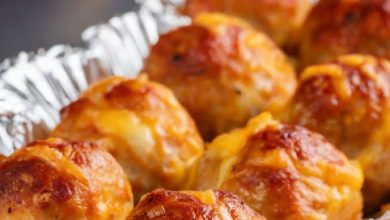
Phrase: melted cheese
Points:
(54, 158)
(226, 147)
(218, 20)
(206, 197)
(353, 60)
(339, 80)
(102, 86)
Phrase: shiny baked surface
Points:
(142, 125)
(193, 205)
(283, 172)
(345, 100)
(281, 20)
(336, 27)
(222, 70)
(54, 179)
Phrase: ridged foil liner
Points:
(35, 86)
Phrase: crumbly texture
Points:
(54, 179)
(283, 172)
(142, 125)
(345, 100)
(337, 27)
(281, 20)
(223, 71)
(193, 205)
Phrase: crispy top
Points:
(283, 172)
(336, 27)
(344, 99)
(54, 179)
(193, 205)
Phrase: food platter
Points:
(207, 103)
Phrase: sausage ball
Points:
(336, 27)
(54, 179)
(281, 20)
(192, 205)
(283, 172)
(142, 125)
(223, 71)
(345, 100)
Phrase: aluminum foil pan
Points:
(35, 86)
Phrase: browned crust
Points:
(336, 27)
(236, 207)
(300, 144)
(49, 186)
(280, 19)
(164, 204)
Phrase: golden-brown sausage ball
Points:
(142, 125)
(223, 71)
(283, 172)
(345, 100)
(280, 19)
(54, 179)
(336, 27)
(192, 205)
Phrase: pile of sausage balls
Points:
(266, 109)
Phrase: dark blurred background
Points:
(32, 24)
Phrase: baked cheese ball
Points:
(223, 71)
(142, 125)
(337, 27)
(54, 179)
(345, 100)
(281, 20)
(283, 172)
(385, 216)
(192, 205)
